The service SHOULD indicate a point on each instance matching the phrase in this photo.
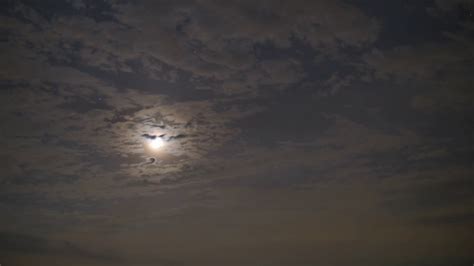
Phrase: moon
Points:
(156, 144)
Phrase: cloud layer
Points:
(296, 133)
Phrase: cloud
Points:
(291, 127)
(38, 245)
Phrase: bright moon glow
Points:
(156, 143)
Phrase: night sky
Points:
(237, 133)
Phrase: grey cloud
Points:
(290, 127)
(179, 136)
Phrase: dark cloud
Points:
(38, 245)
(148, 136)
(179, 136)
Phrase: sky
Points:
(237, 133)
